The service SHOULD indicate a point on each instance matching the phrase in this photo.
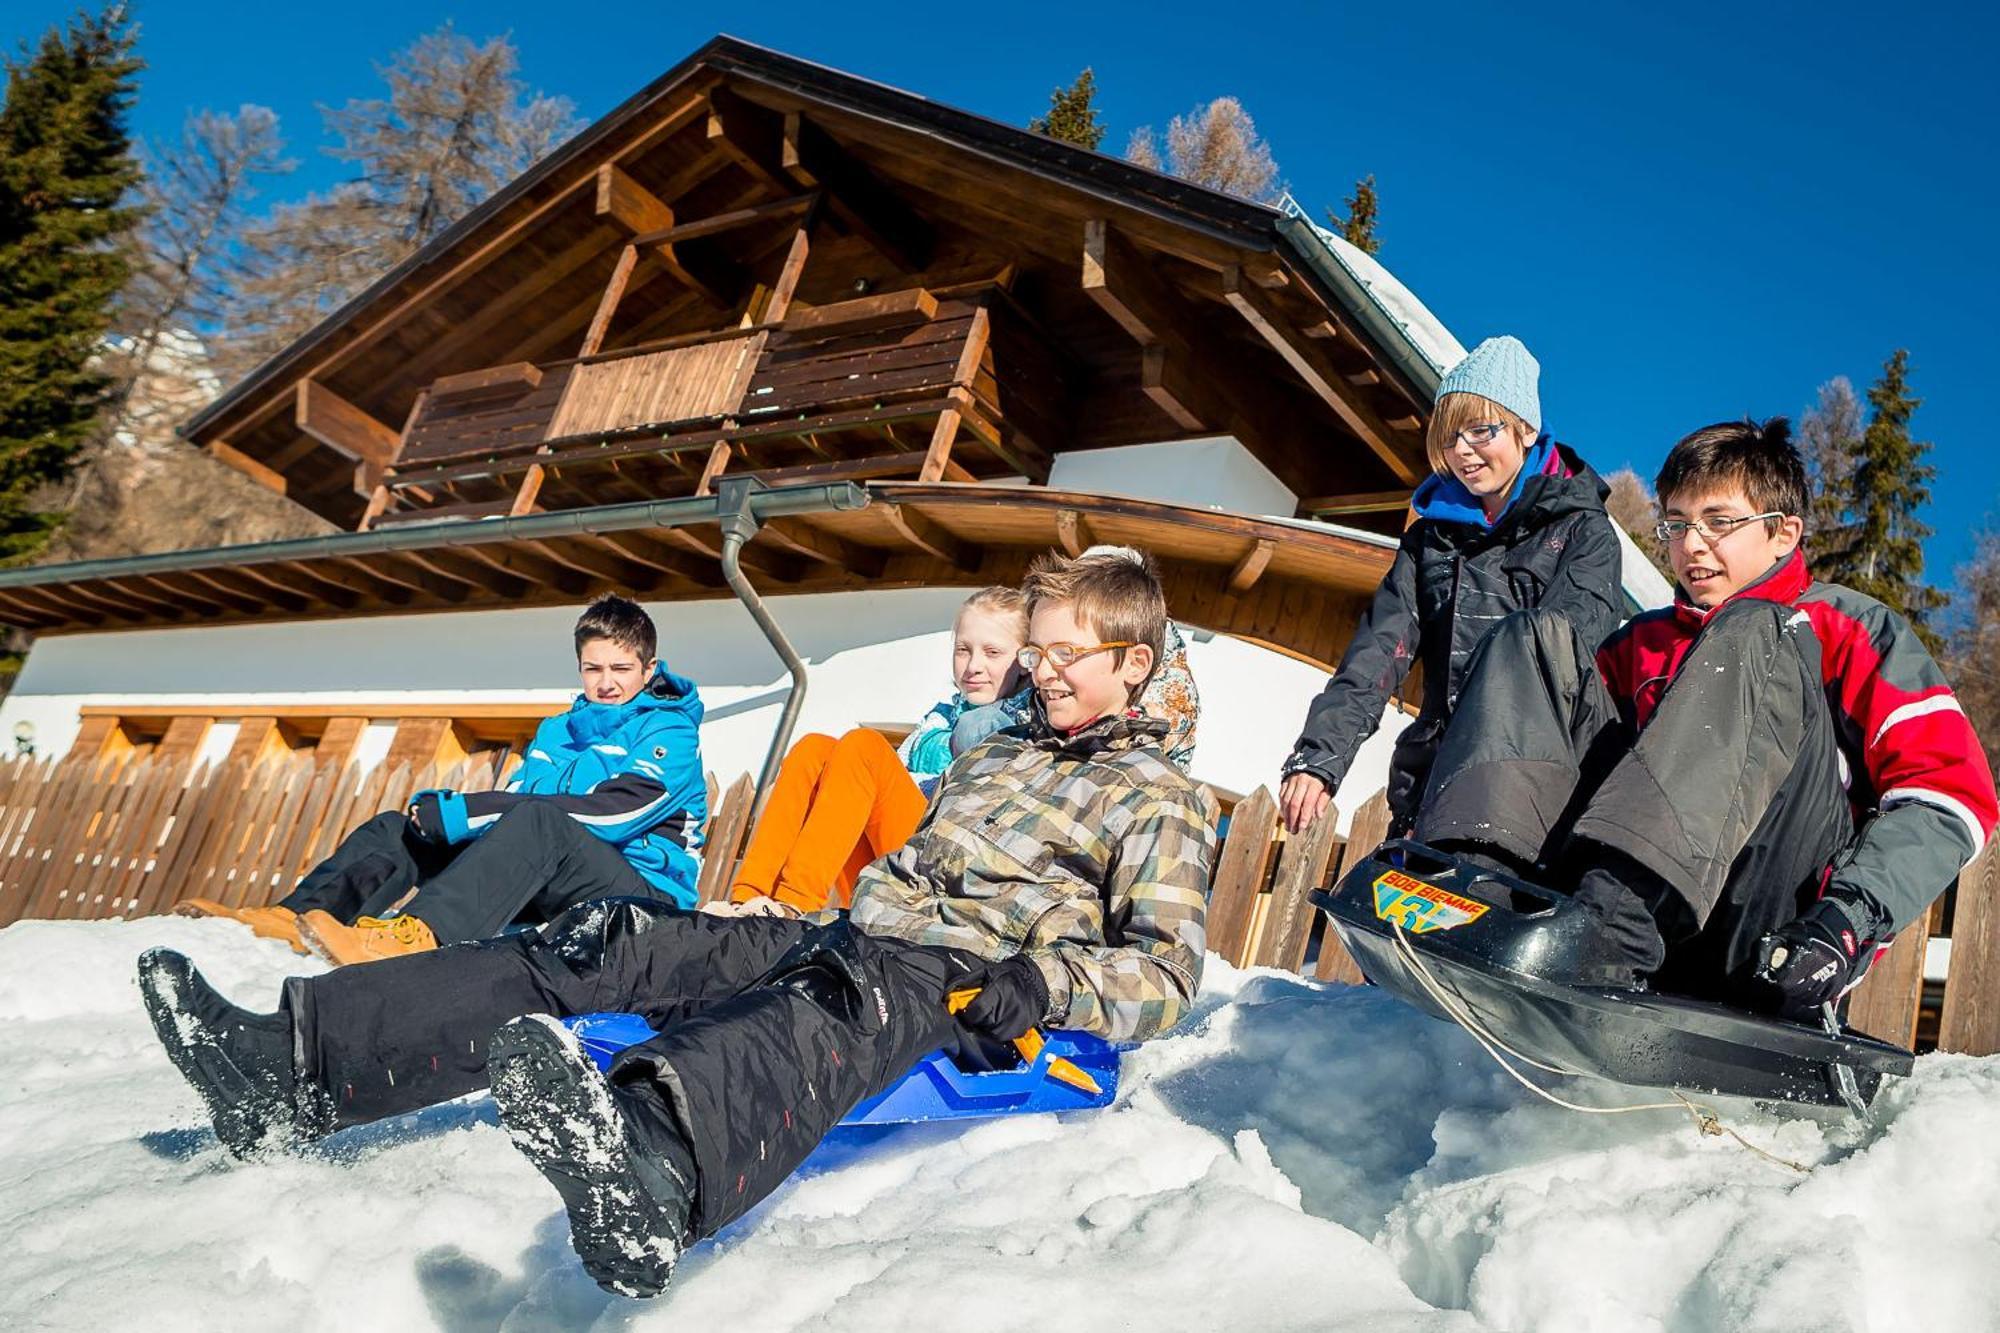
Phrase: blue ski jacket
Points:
(630, 773)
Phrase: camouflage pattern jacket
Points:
(1089, 853)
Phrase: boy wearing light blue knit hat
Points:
(1510, 520)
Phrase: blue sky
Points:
(1688, 213)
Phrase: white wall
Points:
(1213, 473)
(873, 657)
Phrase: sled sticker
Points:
(1419, 907)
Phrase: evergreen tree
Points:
(65, 165)
(1358, 227)
(1888, 482)
(1071, 116)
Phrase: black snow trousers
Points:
(532, 865)
(1730, 796)
(770, 1030)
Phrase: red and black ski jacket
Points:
(1917, 777)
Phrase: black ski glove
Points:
(425, 816)
(1811, 960)
(1012, 998)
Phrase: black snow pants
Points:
(532, 865)
(1731, 793)
(770, 1030)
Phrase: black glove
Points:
(1811, 960)
(1012, 998)
(425, 816)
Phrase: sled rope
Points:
(1706, 1121)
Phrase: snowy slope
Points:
(1302, 1157)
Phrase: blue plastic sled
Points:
(936, 1089)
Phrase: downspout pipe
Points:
(736, 516)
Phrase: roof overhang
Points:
(1294, 586)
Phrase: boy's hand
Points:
(1302, 800)
(1012, 998)
(764, 906)
(426, 817)
(1811, 960)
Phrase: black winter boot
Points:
(240, 1062)
(625, 1176)
(1626, 926)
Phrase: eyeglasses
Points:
(1061, 656)
(1714, 529)
(1484, 433)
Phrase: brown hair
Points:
(621, 620)
(1456, 411)
(1117, 595)
(1000, 600)
(1757, 457)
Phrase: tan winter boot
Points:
(368, 939)
(270, 923)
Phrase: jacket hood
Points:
(1783, 582)
(664, 690)
(1553, 482)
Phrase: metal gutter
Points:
(759, 505)
(1420, 378)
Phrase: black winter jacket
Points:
(1451, 583)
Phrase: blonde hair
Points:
(1117, 595)
(999, 600)
(1456, 411)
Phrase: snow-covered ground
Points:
(1301, 1157)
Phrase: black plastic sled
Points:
(1527, 965)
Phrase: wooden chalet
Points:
(759, 267)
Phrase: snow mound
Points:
(1301, 1157)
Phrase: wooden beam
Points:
(1252, 565)
(865, 313)
(1362, 502)
(459, 567)
(729, 221)
(814, 543)
(858, 201)
(332, 420)
(607, 304)
(635, 208)
(592, 559)
(269, 477)
(492, 381)
(513, 561)
(1255, 305)
(656, 554)
(926, 533)
(1073, 531)
(324, 571)
(291, 593)
(779, 303)
(757, 558)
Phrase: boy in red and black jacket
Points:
(1752, 788)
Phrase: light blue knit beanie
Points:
(1503, 371)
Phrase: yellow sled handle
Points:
(1029, 1046)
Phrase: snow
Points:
(1299, 1156)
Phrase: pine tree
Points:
(65, 166)
(1216, 145)
(1071, 116)
(1829, 438)
(1358, 227)
(1888, 482)
(456, 126)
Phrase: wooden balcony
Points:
(906, 385)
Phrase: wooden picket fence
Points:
(111, 838)
(81, 840)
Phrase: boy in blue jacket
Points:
(609, 801)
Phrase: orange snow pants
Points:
(835, 806)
